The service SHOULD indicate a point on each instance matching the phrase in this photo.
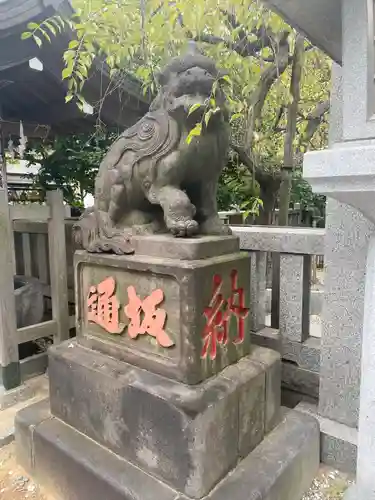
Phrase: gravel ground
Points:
(14, 482)
(328, 485)
(16, 485)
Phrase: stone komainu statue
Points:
(152, 180)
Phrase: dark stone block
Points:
(75, 468)
(188, 288)
(72, 467)
(189, 437)
(10, 376)
(282, 467)
(25, 422)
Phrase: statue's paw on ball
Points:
(182, 228)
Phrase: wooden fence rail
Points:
(34, 249)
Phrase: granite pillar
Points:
(347, 239)
(348, 233)
(364, 488)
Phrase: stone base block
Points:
(338, 442)
(187, 436)
(73, 467)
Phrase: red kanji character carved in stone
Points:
(153, 319)
(103, 306)
(239, 310)
(219, 313)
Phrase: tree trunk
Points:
(291, 129)
(268, 196)
(284, 196)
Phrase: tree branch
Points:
(295, 91)
(260, 175)
(267, 79)
(314, 119)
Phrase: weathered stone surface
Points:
(29, 298)
(295, 271)
(281, 467)
(188, 436)
(267, 337)
(252, 398)
(258, 290)
(306, 354)
(316, 301)
(300, 380)
(73, 467)
(338, 442)
(271, 363)
(188, 288)
(293, 240)
(348, 234)
(196, 248)
(25, 422)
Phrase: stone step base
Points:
(70, 466)
(187, 436)
(338, 442)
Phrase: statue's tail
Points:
(94, 233)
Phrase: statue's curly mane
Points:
(153, 137)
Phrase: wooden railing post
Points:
(58, 265)
(9, 358)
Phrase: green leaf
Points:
(26, 35)
(194, 107)
(67, 72)
(207, 116)
(69, 55)
(73, 44)
(56, 23)
(68, 98)
(37, 40)
(51, 27)
(45, 34)
(33, 26)
(195, 132)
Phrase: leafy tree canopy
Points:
(277, 83)
(70, 164)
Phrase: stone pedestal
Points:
(190, 276)
(162, 395)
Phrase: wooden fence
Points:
(36, 249)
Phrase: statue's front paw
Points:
(182, 227)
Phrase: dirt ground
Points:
(16, 485)
(14, 482)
